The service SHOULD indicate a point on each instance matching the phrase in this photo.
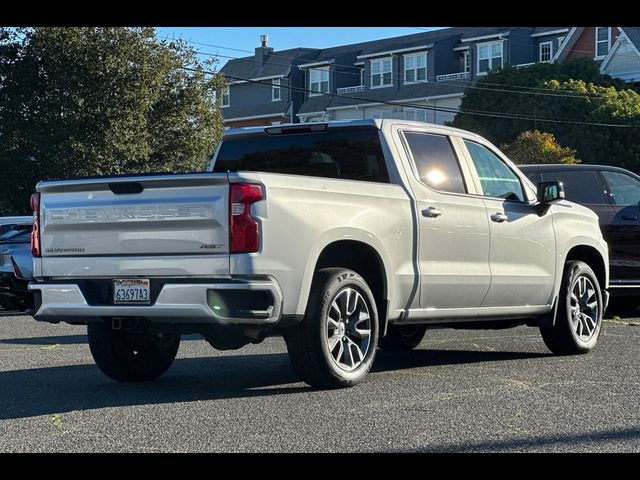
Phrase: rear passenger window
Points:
(580, 186)
(347, 153)
(436, 162)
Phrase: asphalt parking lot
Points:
(459, 391)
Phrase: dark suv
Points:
(614, 194)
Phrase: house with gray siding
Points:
(258, 90)
(417, 77)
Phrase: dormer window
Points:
(545, 51)
(275, 90)
(603, 41)
(415, 67)
(225, 97)
(489, 57)
(381, 73)
(319, 80)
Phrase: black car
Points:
(614, 194)
(16, 265)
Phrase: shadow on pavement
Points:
(386, 361)
(42, 391)
(538, 441)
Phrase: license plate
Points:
(129, 291)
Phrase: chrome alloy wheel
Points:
(584, 309)
(348, 329)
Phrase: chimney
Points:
(263, 51)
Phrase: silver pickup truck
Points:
(344, 237)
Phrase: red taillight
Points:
(244, 230)
(35, 231)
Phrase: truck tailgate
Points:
(147, 216)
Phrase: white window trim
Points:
(317, 94)
(415, 69)
(226, 89)
(371, 86)
(550, 43)
(414, 110)
(276, 82)
(478, 45)
(466, 62)
(381, 114)
(595, 51)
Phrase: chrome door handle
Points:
(499, 217)
(431, 212)
(629, 217)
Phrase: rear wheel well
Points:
(591, 257)
(364, 260)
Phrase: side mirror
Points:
(550, 192)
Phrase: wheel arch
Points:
(588, 254)
(591, 257)
(363, 257)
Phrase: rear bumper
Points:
(179, 302)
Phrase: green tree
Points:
(94, 101)
(552, 92)
(534, 146)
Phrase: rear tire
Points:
(402, 337)
(579, 317)
(129, 357)
(335, 344)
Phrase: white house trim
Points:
(595, 47)
(391, 103)
(225, 90)
(485, 37)
(571, 38)
(310, 114)
(373, 104)
(478, 72)
(446, 95)
(371, 74)
(550, 44)
(255, 117)
(550, 32)
(358, 64)
(460, 49)
(315, 93)
(256, 79)
(391, 52)
(621, 37)
(273, 89)
(316, 64)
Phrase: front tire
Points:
(579, 317)
(402, 337)
(335, 344)
(129, 357)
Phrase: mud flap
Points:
(549, 318)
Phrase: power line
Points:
(484, 113)
(478, 86)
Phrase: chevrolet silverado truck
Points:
(344, 237)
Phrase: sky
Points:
(240, 41)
